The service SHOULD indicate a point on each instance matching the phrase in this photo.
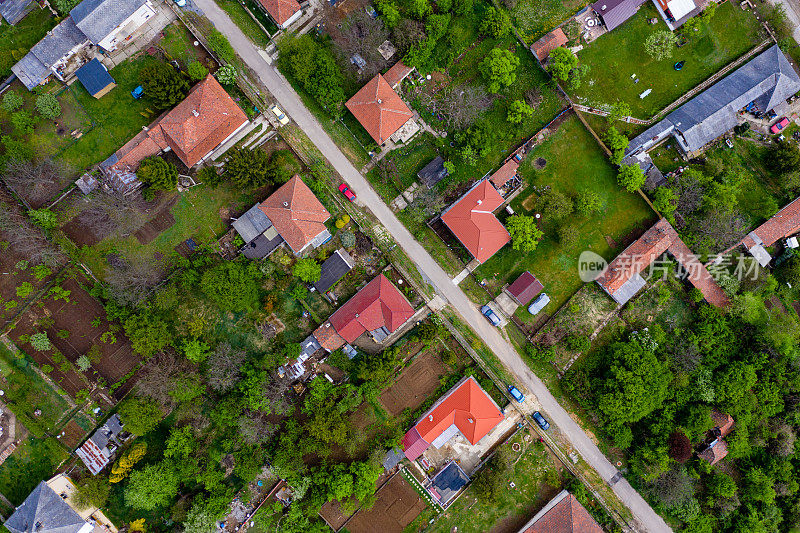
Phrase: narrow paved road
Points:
(792, 8)
(291, 104)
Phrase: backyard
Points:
(534, 18)
(618, 57)
(573, 163)
(15, 41)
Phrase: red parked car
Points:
(778, 126)
(350, 195)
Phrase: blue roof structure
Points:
(449, 481)
(94, 76)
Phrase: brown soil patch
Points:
(80, 233)
(73, 435)
(540, 163)
(530, 202)
(161, 222)
(611, 242)
(415, 384)
(774, 303)
(397, 505)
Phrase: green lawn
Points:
(178, 42)
(15, 41)
(534, 18)
(532, 471)
(574, 163)
(616, 56)
(26, 391)
(33, 461)
(239, 15)
(117, 115)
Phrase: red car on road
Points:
(778, 126)
(350, 195)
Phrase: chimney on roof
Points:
(195, 113)
(480, 202)
(356, 315)
(430, 417)
(285, 204)
(470, 420)
(603, 8)
(380, 101)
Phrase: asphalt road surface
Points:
(291, 104)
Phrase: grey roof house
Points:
(259, 235)
(615, 12)
(766, 81)
(98, 449)
(98, 19)
(333, 269)
(44, 511)
(49, 55)
(433, 172)
(13, 11)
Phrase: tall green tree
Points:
(525, 234)
(499, 69)
(163, 85)
(631, 177)
(660, 44)
(232, 285)
(152, 487)
(140, 416)
(158, 174)
(307, 270)
(247, 168)
(495, 23)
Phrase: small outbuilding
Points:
(448, 482)
(333, 269)
(433, 173)
(95, 78)
(525, 288)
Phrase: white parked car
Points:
(282, 118)
(539, 303)
(180, 3)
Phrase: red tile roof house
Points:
(717, 449)
(466, 409)
(297, 216)
(283, 12)
(622, 280)
(471, 219)
(379, 309)
(782, 224)
(562, 514)
(379, 109)
(548, 43)
(203, 121)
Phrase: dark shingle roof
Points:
(15, 10)
(30, 71)
(433, 172)
(333, 269)
(449, 481)
(252, 224)
(615, 12)
(98, 18)
(94, 76)
(58, 42)
(43, 511)
(768, 80)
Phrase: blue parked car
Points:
(513, 391)
(544, 424)
(490, 315)
(137, 92)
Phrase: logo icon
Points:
(591, 266)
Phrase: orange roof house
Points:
(297, 215)
(379, 109)
(465, 409)
(378, 308)
(548, 43)
(784, 223)
(622, 279)
(562, 514)
(471, 219)
(397, 73)
(204, 120)
(283, 12)
(504, 173)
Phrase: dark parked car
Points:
(350, 195)
(513, 391)
(544, 424)
(490, 315)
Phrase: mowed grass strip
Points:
(574, 163)
(616, 56)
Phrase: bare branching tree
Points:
(224, 367)
(276, 391)
(36, 182)
(109, 211)
(130, 281)
(23, 237)
(720, 227)
(159, 376)
(361, 34)
(255, 428)
(460, 106)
